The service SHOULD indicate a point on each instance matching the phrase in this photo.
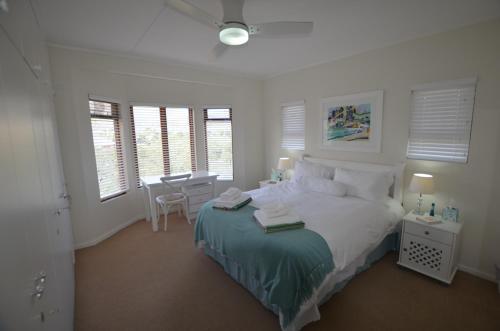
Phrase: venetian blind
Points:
(180, 130)
(441, 121)
(293, 126)
(163, 140)
(105, 122)
(219, 142)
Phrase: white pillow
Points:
(305, 168)
(365, 184)
(323, 185)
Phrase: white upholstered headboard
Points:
(397, 170)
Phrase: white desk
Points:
(200, 188)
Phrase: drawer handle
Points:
(426, 232)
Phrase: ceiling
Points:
(342, 28)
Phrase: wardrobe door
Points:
(35, 260)
(57, 213)
(20, 199)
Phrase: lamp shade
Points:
(284, 163)
(422, 183)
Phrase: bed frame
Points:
(396, 190)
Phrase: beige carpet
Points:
(139, 280)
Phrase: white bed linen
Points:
(350, 226)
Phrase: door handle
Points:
(59, 211)
(65, 196)
(41, 277)
(38, 291)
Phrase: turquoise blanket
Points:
(283, 267)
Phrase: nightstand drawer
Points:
(427, 232)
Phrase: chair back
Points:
(174, 184)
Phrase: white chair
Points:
(173, 194)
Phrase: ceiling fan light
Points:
(233, 34)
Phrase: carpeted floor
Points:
(140, 280)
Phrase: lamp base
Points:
(420, 202)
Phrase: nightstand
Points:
(431, 249)
(267, 182)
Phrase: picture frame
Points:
(352, 123)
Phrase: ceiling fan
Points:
(233, 30)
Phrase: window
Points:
(163, 140)
(441, 121)
(293, 126)
(219, 142)
(105, 121)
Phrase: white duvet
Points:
(351, 227)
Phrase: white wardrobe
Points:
(36, 241)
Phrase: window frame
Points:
(470, 83)
(120, 150)
(164, 137)
(283, 108)
(224, 119)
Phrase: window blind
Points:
(162, 140)
(441, 121)
(293, 126)
(105, 122)
(180, 131)
(219, 142)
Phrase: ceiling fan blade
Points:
(219, 50)
(278, 29)
(233, 10)
(195, 13)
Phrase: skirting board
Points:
(477, 273)
(109, 233)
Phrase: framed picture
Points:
(352, 122)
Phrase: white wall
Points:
(77, 74)
(464, 53)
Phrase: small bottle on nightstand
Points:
(433, 208)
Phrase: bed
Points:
(293, 272)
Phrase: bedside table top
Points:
(448, 226)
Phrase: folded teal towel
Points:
(283, 227)
(238, 206)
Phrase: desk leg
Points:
(153, 210)
(213, 189)
(145, 192)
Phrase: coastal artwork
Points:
(349, 122)
(352, 122)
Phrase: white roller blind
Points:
(441, 121)
(293, 126)
(106, 136)
(219, 142)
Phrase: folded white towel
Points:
(290, 218)
(230, 194)
(275, 210)
(230, 204)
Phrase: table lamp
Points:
(422, 184)
(284, 164)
